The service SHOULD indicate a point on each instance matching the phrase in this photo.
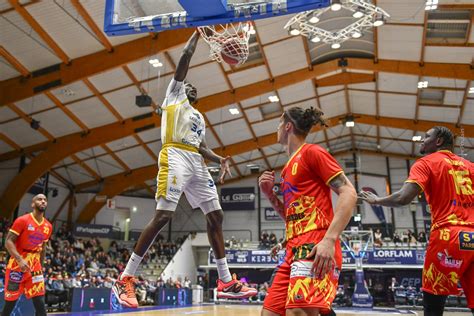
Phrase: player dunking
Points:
(306, 282)
(182, 169)
(447, 181)
(25, 244)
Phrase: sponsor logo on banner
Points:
(90, 230)
(301, 269)
(233, 199)
(466, 240)
(271, 214)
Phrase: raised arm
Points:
(188, 51)
(266, 182)
(402, 197)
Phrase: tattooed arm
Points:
(346, 202)
(324, 251)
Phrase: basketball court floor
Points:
(250, 310)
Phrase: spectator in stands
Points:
(378, 238)
(169, 284)
(273, 240)
(411, 238)
(262, 292)
(160, 283)
(187, 283)
(397, 239)
(77, 281)
(264, 241)
(67, 281)
(422, 237)
(140, 290)
(177, 283)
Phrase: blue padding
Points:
(203, 8)
(169, 22)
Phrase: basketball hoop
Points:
(228, 42)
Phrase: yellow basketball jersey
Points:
(180, 122)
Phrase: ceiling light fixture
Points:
(273, 98)
(379, 20)
(358, 13)
(314, 19)
(336, 5)
(471, 90)
(234, 111)
(335, 46)
(422, 84)
(367, 15)
(294, 31)
(416, 138)
(155, 63)
(431, 5)
(349, 121)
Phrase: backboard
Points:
(124, 17)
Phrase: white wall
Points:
(183, 263)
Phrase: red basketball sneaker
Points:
(124, 290)
(234, 289)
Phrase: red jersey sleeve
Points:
(18, 225)
(420, 173)
(322, 164)
(49, 233)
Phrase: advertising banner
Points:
(238, 199)
(375, 257)
(271, 214)
(91, 230)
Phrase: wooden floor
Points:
(254, 310)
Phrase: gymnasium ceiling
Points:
(93, 138)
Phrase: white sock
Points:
(223, 270)
(132, 265)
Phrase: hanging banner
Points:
(238, 199)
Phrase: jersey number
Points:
(444, 234)
(194, 129)
(462, 182)
(294, 169)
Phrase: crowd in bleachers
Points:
(79, 263)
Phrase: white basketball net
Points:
(231, 40)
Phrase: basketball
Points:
(232, 52)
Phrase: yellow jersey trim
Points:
(413, 181)
(332, 177)
(15, 232)
(39, 224)
(294, 154)
(180, 146)
(162, 177)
